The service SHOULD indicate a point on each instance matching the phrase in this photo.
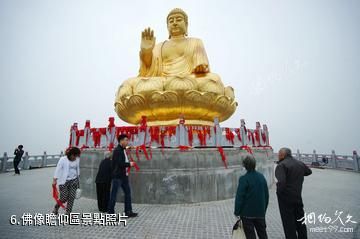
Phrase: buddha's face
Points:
(176, 25)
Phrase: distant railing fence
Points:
(29, 161)
(347, 162)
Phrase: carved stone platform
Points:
(172, 176)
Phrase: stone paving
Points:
(326, 191)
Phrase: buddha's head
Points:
(177, 23)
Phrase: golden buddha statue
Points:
(174, 80)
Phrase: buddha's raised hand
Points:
(147, 39)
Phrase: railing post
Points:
(356, 161)
(298, 154)
(44, 159)
(87, 135)
(73, 131)
(181, 133)
(266, 131)
(314, 156)
(333, 159)
(4, 162)
(218, 133)
(142, 132)
(26, 164)
(257, 133)
(111, 140)
(243, 133)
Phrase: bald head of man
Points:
(284, 153)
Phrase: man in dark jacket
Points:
(252, 199)
(119, 176)
(103, 183)
(290, 176)
(18, 155)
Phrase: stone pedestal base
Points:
(174, 176)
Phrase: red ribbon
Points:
(184, 147)
(251, 136)
(132, 160)
(222, 154)
(96, 137)
(154, 134)
(56, 196)
(79, 134)
(162, 142)
(257, 135)
(128, 130)
(190, 135)
(237, 131)
(263, 135)
(202, 134)
(111, 122)
(143, 148)
(102, 131)
(143, 124)
(111, 146)
(229, 135)
(247, 148)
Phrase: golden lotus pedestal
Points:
(166, 107)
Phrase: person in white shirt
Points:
(66, 176)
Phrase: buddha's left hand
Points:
(201, 69)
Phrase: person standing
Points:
(252, 199)
(103, 183)
(67, 174)
(120, 177)
(18, 155)
(290, 176)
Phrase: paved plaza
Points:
(326, 191)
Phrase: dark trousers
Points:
(16, 164)
(252, 224)
(290, 213)
(124, 183)
(103, 195)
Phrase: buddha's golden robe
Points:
(175, 74)
(194, 55)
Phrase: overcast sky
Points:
(294, 65)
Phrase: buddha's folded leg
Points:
(229, 92)
(125, 89)
(210, 82)
(144, 85)
(175, 83)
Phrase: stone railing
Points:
(347, 162)
(29, 161)
(180, 135)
